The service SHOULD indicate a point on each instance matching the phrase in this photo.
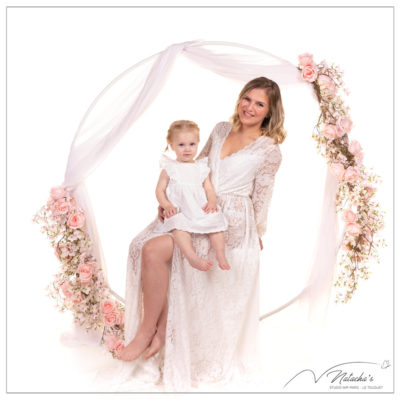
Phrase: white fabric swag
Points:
(123, 101)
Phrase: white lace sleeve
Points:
(205, 151)
(263, 186)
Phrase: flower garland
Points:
(79, 286)
(362, 216)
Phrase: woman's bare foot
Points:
(156, 344)
(199, 263)
(137, 346)
(222, 261)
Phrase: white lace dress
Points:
(213, 316)
(186, 192)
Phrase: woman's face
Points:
(185, 144)
(253, 108)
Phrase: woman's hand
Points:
(210, 207)
(261, 245)
(161, 214)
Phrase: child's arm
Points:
(162, 184)
(211, 196)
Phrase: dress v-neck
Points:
(236, 152)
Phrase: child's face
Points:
(185, 144)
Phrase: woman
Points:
(205, 324)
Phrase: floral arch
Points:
(81, 285)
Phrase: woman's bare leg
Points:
(217, 240)
(156, 253)
(184, 240)
(159, 338)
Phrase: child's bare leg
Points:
(184, 241)
(159, 338)
(218, 243)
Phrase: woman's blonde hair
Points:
(179, 126)
(273, 123)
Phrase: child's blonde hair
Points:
(179, 126)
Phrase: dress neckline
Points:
(236, 152)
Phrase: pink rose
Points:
(368, 233)
(111, 342)
(359, 157)
(353, 229)
(370, 191)
(66, 289)
(119, 347)
(85, 271)
(61, 206)
(58, 192)
(354, 147)
(309, 72)
(305, 59)
(78, 298)
(57, 252)
(107, 306)
(72, 201)
(337, 170)
(349, 216)
(110, 318)
(76, 220)
(345, 124)
(330, 131)
(327, 85)
(120, 318)
(351, 174)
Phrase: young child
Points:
(185, 192)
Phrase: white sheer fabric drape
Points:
(123, 101)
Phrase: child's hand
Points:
(210, 207)
(170, 210)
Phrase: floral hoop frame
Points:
(79, 285)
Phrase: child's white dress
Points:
(186, 192)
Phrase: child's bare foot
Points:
(222, 261)
(156, 344)
(137, 346)
(199, 263)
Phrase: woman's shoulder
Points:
(221, 127)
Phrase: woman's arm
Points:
(162, 196)
(211, 196)
(207, 147)
(263, 187)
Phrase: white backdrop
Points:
(59, 59)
